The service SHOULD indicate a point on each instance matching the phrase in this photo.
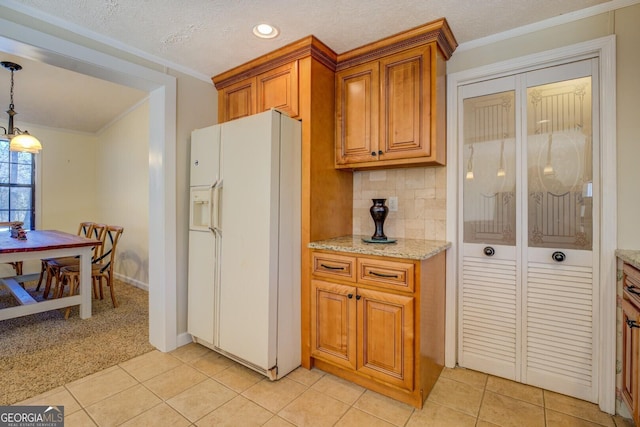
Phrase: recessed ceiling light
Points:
(265, 31)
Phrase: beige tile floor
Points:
(194, 386)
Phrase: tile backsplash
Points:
(422, 203)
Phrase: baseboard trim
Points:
(132, 282)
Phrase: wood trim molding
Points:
(436, 31)
(308, 46)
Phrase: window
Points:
(17, 186)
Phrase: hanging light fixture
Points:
(548, 168)
(18, 140)
(501, 172)
(469, 175)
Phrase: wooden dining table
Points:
(43, 244)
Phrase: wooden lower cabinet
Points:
(385, 337)
(333, 330)
(388, 337)
(631, 340)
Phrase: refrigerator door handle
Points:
(215, 207)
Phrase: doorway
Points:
(521, 253)
(529, 237)
(28, 42)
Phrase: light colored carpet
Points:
(43, 351)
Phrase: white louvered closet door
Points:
(529, 226)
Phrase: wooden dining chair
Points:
(53, 265)
(102, 268)
(83, 230)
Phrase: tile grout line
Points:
(484, 390)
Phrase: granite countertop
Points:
(629, 256)
(403, 248)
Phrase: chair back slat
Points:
(110, 242)
(85, 228)
(98, 232)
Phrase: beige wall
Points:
(122, 188)
(627, 28)
(67, 179)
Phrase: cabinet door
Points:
(238, 100)
(385, 337)
(333, 323)
(278, 88)
(630, 336)
(357, 111)
(405, 122)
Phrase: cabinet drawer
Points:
(631, 284)
(386, 274)
(334, 266)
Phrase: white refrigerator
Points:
(244, 241)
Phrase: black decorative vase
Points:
(379, 213)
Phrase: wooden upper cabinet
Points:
(278, 88)
(405, 115)
(237, 100)
(390, 100)
(357, 103)
(275, 88)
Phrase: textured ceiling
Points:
(206, 37)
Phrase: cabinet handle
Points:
(489, 251)
(393, 276)
(329, 267)
(358, 297)
(632, 324)
(349, 296)
(632, 290)
(373, 153)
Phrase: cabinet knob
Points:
(358, 297)
(380, 152)
(558, 256)
(349, 296)
(489, 251)
(373, 153)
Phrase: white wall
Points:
(122, 188)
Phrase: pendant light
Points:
(548, 168)
(469, 175)
(18, 140)
(501, 172)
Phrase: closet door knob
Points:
(558, 256)
(489, 251)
